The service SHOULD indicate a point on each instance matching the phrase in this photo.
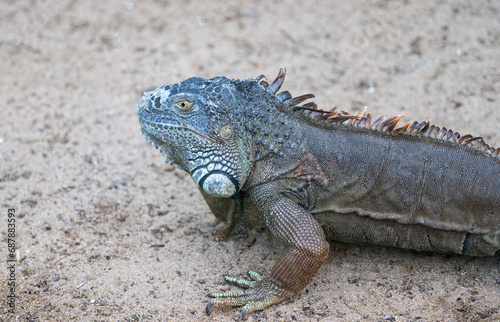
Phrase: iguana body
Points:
(310, 176)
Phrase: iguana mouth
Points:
(155, 130)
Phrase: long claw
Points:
(244, 314)
(209, 306)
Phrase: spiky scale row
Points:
(276, 84)
(424, 129)
(299, 99)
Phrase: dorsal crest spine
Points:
(387, 125)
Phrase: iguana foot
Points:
(223, 232)
(259, 294)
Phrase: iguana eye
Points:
(184, 104)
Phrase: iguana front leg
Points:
(306, 250)
(226, 210)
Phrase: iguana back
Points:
(409, 191)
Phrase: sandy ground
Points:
(106, 231)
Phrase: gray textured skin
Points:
(309, 179)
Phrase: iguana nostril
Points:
(143, 103)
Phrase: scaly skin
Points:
(310, 176)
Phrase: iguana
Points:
(309, 176)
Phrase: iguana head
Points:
(198, 125)
(216, 129)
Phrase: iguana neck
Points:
(274, 132)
